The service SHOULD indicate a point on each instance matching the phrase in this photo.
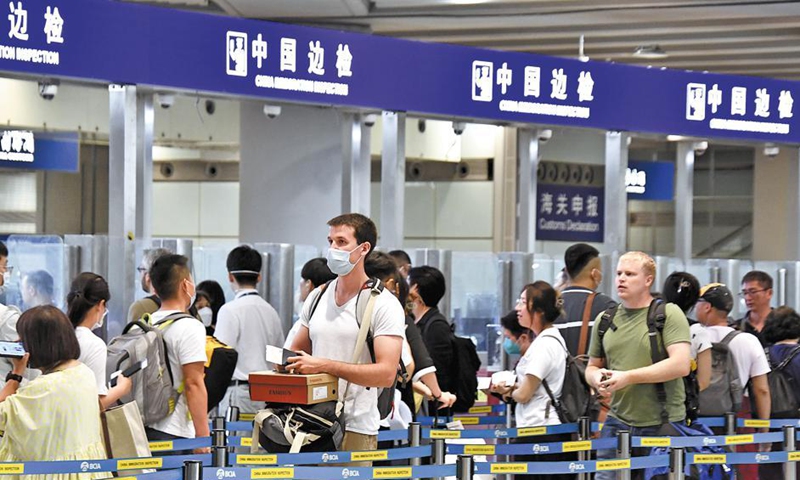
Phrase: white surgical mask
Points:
(6, 278)
(102, 320)
(339, 261)
(206, 315)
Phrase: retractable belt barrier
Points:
(589, 466)
(99, 466)
(500, 432)
(404, 453)
(533, 448)
(706, 441)
(314, 473)
(181, 444)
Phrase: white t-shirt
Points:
(747, 352)
(333, 332)
(94, 355)
(700, 340)
(287, 344)
(249, 324)
(545, 359)
(186, 343)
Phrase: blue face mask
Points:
(510, 347)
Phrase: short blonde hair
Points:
(647, 262)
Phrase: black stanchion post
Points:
(624, 451)
(414, 440)
(676, 464)
(465, 468)
(438, 453)
(219, 449)
(730, 423)
(584, 433)
(232, 415)
(507, 441)
(789, 471)
(192, 470)
(218, 423)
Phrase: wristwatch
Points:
(13, 376)
(437, 398)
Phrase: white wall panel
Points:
(219, 209)
(176, 209)
(464, 209)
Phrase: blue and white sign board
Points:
(650, 180)
(109, 41)
(39, 150)
(569, 213)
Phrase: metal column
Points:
(616, 208)
(528, 154)
(355, 165)
(393, 178)
(278, 283)
(684, 197)
(124, 207)
(145, 124)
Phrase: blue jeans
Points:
(610, 429)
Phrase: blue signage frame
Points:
(114, 42)
(650, 180)
(56, 151)
(570, 213)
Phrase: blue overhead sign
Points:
(110, 41)
(569, 213)
(34, 150)
(650, 180)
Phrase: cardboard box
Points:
(296, 389)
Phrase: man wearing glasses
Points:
(757, 294)
(8, 313)
(151, 303)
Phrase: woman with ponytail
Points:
(544, 362)
(87, 310)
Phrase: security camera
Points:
(211, 107)
(272, 111)
(370, 119)
(771, 150)
(166, 100)
(458, 127)
(700, 148)
(212, 170)
(48, 90)
(545, 134)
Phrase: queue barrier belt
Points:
(706, 441)
(332, 457)
(314, 473)
(96, 466)
(533, 448)
(500, 432)
(180, 444)
(589, 466)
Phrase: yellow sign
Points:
(257, 459)
(247, 417)
(445, 434)
(794, 456)
(392, 472)
(478, 449)
(369, 456)
(756, 423)
(158, 446)
(467, 420)
(126, 478)
(272, 473)
(737, 439)
(509, 468)
(140, 463)
(577, 446)
(13, 468)
(656, 442)
(484, 409)
(613, 464)
(530, 431)
(710, 458)
(246, 442)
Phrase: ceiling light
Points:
(650, 51)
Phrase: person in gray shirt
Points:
(584, 274)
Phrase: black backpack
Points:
(465, 366)
(656, 318)
(781, 387)
(577, 399)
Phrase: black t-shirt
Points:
(569, 324)
(744, 325)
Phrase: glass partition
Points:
(546, 268)
(39, 275)
(474, 296)
(302, 254)
(209, 263)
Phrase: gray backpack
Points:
(724, 393)
(152, 387)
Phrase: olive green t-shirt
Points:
(628, 348)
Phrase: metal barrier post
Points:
(232, 415)
(624, 451)
(464, 467)
(218, 423)
(676, 464)
(789, 470)
(584, 433)
(438, 453)
(219, 449)
(414, 440)
(192, 470)
(730, 423)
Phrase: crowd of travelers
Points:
(657, 360)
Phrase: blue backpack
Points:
(694, 472)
